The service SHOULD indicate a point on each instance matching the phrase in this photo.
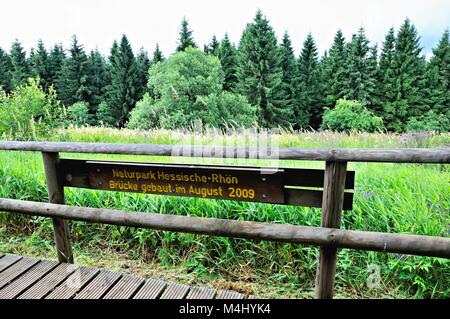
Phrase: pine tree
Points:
(334, 71)
(386, 78)
(5, 71)
(360, 81)
(122, 94)
(41, 65)
(98, 80)
(55, 64)
(185, 38)
(409, 72)
(142, 66)
(438, 77)
(72, 84)
(20, 68)
(260, 74)
(290, 82)
(213, 47)
(309, 89)
(157, 55)
(228, 60)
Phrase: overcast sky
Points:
(98, 22)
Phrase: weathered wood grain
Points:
(16, 270)
(175, 291)
(8, 260)
(74, 283)
(386, 242)
(229, 294)
(56, 195)
(400, 155)
(99, 286)
(201, 293)
(125, 287)
(332, 203)
(152, 289)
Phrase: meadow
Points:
(396, 198)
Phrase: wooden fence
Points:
(335, 179)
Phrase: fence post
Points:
(332, 202)
(56, 196)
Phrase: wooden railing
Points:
(328, 237)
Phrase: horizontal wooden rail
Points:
(362, 240)
(399, 155)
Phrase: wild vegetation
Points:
(397, 198)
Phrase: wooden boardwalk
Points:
(31, 278)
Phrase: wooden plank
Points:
(74, 283)
(125, 287)
(98, 287)
(312, 177)
(151, 289)
(175, 291)
(16, 270)
(432, 246)
(229, 294)
(393, 155)
(27, 279)
(49, 282)
(56, 196)
(312, 198)
(8, 260)
(201, 293)
(1, 255)
(333, 198)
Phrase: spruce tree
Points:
(309, 88)
(334, 71)
(360, 83)
(122, 94)
(290, 82)
(72, 84)
(213, 47)
(157, 55)
(5, 71)
(260, 74)
(56, 62)
(20, 68)
(409, 72)
(228, 60)
(142, 66)
(185, 37)
(386, 78)
(41, 65)
(438, 77)
(99, 79)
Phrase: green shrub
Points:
(29, 113)
(78, 114)
(428, 123)
(145, 115)
(104, 116)
(351, 115)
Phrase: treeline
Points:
(271, 86)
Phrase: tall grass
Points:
(397, 198)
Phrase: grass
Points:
(397, 198)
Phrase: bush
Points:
(430, 122)
(351, 115)
(29, 113)
(78, 114)
(104, 116)
(186, 89)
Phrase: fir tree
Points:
(386, 79)
(142, 66)
(41, 65)
(360, 81)
(438, 77)
(309, 89)
(260, 74)
(185, 38)
(409, 71)
(72, 83)
(290, 82)
(55, 64)
(99, 79)
(157, 55)
(5, 71)
(228, 60)
(122, 94)
(20, 68)
(213, 47)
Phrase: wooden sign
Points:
(241, 183)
